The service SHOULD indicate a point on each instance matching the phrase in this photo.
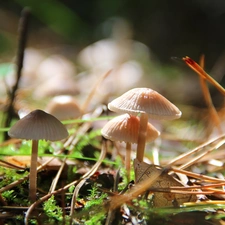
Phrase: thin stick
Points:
(208, 99)
(194, 66)
(56, 179)
(210, 192)
(15, 183)
(206, 203)
(111, 213)
(74, 199)
(205, 186)
(197, 176)
(92, 92)
(33, 171)
(10, 165)
(142, 136)
(22, 40)
(196, 159)
(220, 139)
(74, 138)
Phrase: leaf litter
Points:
(91, 187)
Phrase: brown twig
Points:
(94, 89)
(198, 69)
(22, 40)
(214, 143)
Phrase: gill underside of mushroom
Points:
(142, 136)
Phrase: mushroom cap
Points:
(145, 100)
(125, 128)
(64, 107)
(38, 125)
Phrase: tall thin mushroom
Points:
(36, 126)
(125, 128)
(147, 103)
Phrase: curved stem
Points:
(33, 171)
(142, 136)
(128, 159)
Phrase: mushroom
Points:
(64, 107)
(147, 103)
(35, 126)
(125, 128)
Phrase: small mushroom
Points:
(35, 126)
(125, 128)
(147, 103)
(64, 107)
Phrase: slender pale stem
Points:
(33, 171)
(142, 136)
(128, 159)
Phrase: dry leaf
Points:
(144, 171)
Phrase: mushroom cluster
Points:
(145, 103)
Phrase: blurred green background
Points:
(171, 28)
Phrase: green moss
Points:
(95, 197)
(88, 139)
(53, 211)
(10, 175)
(93, 212)
(96, 219)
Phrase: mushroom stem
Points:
(142, 136)
(128, 159)
(33, 171)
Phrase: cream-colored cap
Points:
(64, 107)
(145, 100)
(125, 128)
